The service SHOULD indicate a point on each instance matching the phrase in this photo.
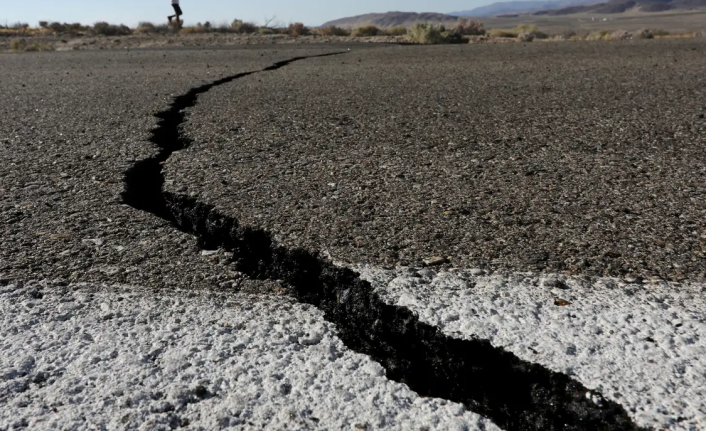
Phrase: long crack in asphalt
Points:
(515, 394)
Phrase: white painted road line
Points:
(84, 357)
(641, 345)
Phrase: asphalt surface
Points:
(583, 158)
(72, 124)
(125, 358)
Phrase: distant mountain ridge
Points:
(569, 7)
(620, 6)
(392, 19)
(514, 7)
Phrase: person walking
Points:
(177, 13)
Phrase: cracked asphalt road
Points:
(579, 158)
(72, 124)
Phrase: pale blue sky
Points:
(311, 12)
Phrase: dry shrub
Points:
(366, 31)
(525, 36)
(297, 29)
(36, 47)
(599, 35)
(332, 30)
(192, 30)
(621, 35)
(242, 27)
(643, 34)
(398, 30)
(528, 31)
(18, 45)
(425, 33)
(266, 30)
(470, 28)
(145, 28)
(105, 29)
(499, 32)
(65, 28)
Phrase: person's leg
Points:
(178, 15)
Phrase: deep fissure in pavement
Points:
(514, 394)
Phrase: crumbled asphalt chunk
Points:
(581, 158)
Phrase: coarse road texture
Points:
(586, 158)
(640, 345)
(121, 358)
(367, 320)
(72, 124)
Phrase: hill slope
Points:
(620, 6)
(568, 7)
(392, 19)
(513, 7)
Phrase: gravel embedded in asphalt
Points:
(642, 345)
(125, 357)
(585, 158)
(72, 124)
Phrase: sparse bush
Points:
(599, 35)
(332, 30)
(149, 28)
(266, 30)
(297, 29)
(35, 47)
(398, 30)
(470, 28)
(527, 30)
(18, 45)
(242, 27)
(43, 24)
(498, 32)
(643, 34)
(223, 27)
(145, 28)
(19, 26)
(191, 30)
(525, 36)
(425, 33)
(621, 35)
(105, 29)
(58, 27)
(531, 29)
(366, 31)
